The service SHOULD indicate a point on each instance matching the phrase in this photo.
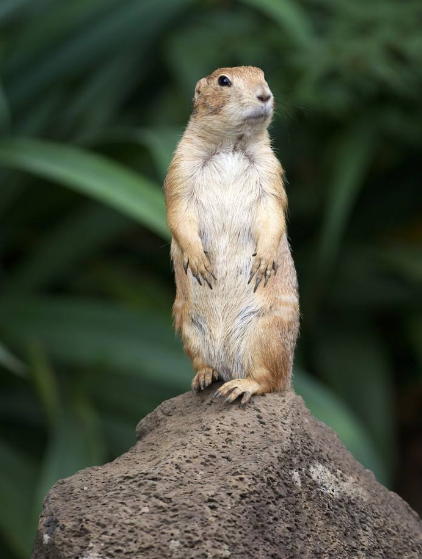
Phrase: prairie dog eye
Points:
(224, 81)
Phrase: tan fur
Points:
(236, 304)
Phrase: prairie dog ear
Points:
(199, 86)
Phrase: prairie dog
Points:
(236, 304)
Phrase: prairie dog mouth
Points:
(260, 113)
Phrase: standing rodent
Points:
(236, 304)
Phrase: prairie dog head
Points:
(233, 101)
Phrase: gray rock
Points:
(209, 480)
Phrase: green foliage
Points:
(94, 95)
(90, 174)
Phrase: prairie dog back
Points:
(236, 304)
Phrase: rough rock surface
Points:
(210, 480)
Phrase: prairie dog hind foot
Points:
(239, 387)
(204, 378)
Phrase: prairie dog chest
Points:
(227, 190)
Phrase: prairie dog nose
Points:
(264, 94)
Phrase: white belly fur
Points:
(226, 193)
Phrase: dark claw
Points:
(244, 399)
(207, 282)
(267, 277)
(254, 254)
(252, 272)
(258, 281)
(205, 252)
(227, 400)
(211, 274)
(202, 384)
(275, 268)
(198, 279)
(217, 394)
(186, 266)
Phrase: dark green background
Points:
(94, 95)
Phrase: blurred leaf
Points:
(90, 174)
(100, 95)
(76, 443)
(120, 433)
(45, 381)
(4, 111)
(102, 336)
(351, 158)
(75, 436)
(12, 188)
(332, 411)
(20, 406)
(354, 362)
(125, 396)
(289, 15)
(363, 283)
(10, 362)
(17, 481)
(56, 253)
(127, 286)
(38, 119)
(8, 8)
(406, 261)
(414, 327)
(160, 141)
(114, 29)
(40, 33)
(187, 48)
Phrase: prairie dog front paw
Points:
(199, 265)
(264, 265)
